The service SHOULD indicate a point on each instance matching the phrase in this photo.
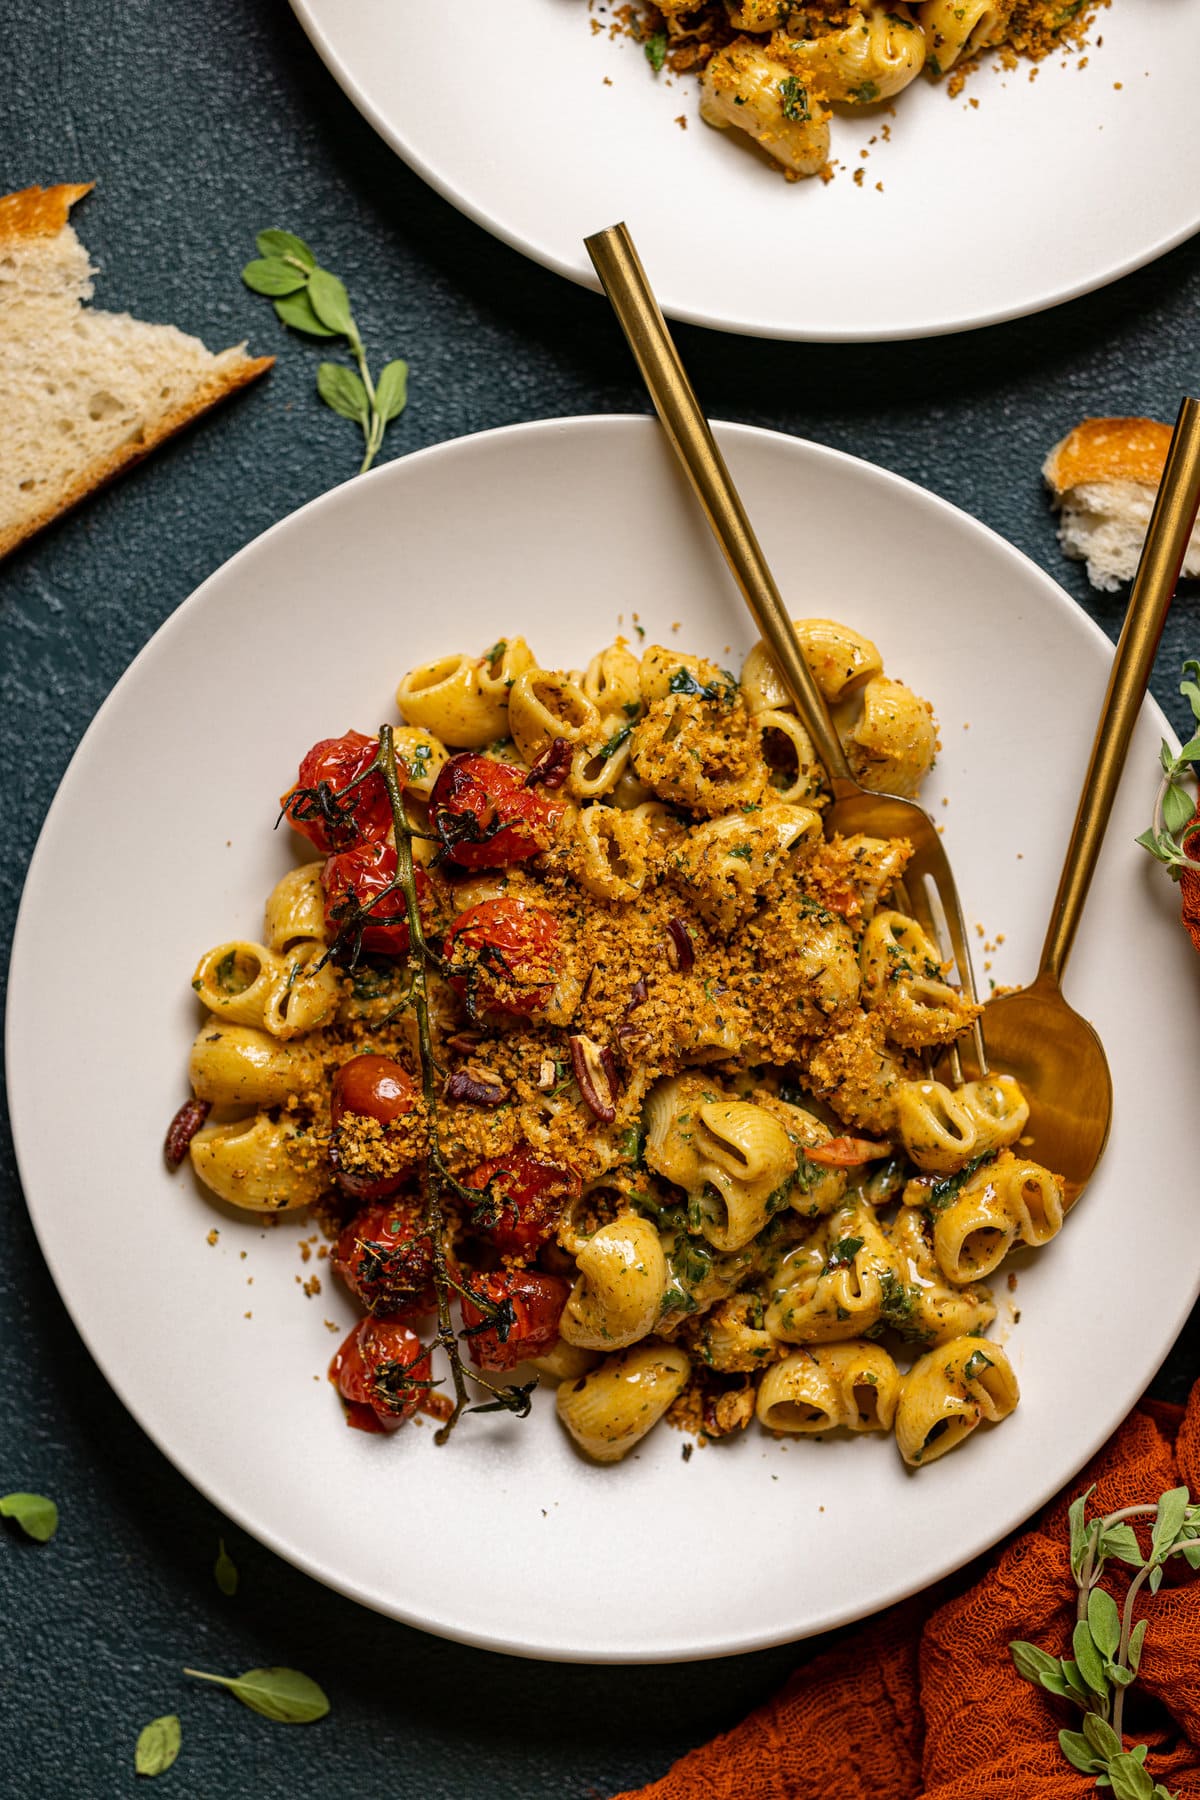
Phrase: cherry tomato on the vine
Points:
(385, 1258)
(530, 1194)
(486, 816)
(382, 1371)
(504, 957)
(319, 806)
(356, 877)
(532, 1304)
(372, 1087)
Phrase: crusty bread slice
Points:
(1104, 475)
(83, 393)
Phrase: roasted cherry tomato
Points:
(485, 815)
(319, 805)
(504, 957)
(382, 1371)
(372, 1087)
(385, 1258)
(530, 1194)
(359, 875)
(532, 1304)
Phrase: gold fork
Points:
(931, 896)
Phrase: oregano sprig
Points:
(284, 1695)
(1106, 1641)
(1175, 803)
(310, 299)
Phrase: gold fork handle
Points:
(1153, 588)
(624, 281)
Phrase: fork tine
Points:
(933, 872)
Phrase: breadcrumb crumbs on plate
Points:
(212, 1237)
(330, 1325)
(858, 177)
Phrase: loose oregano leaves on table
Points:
(225, 1571)
(158, 1745)
(37, 1516)
(284, 1695)
(1175, 803)
(1106, 1642)
(311, 300)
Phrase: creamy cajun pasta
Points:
(777, 70)
(600, 1062)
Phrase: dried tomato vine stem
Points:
(510, 1397)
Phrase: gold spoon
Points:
(1033, 1034)
(855, 808)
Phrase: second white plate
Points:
(159, 844)
(1018, 194)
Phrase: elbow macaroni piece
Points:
(446, 699)
(947, 1393)
(610, 852)
(543, 706)
(238, 1065)
(295, 909)
(959, 28)
(853, 1384)
(1009, 1201)
(306, 994)
(236, 981)
(613, 683)
(875, 54)
(618, 1295)
(796, 776)
(744, 87)
(892, 746)
(610, 1410)
(833, 1287)
(727, 860)
(840, 659)
(260, 1164)
(732, 1158)
(423, 757)
(942, 1129)
(925, 1306)
(903, 978)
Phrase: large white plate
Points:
(1046, 189)
(159, 843)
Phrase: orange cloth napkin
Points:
(1189, 883)
(923, 1703)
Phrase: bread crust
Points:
(217, 386)
(1108, 450)
(38, 211)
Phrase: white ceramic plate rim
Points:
(1140, 1367)
(676, 306)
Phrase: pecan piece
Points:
(463, 1086)
(596, 1072)
(552, 766)
(680, 953)
(183, 1128)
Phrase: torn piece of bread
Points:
(83, 393)
(1104, 475)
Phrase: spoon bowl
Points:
(1060, 1064)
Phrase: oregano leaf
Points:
(331, 303)
(284, 1695)
(225, 1571)
(1091, 1666)
(1191, 1555)
(158, 1745)
(1172, 1510)
(343, 390)
(285, 243)
(1074, 1680)
(1119, 1676)
(1101, 1736)
(37, 1516)
(297, 311)
(1129, 1780)
(1155, 1578)
(1079, 1752)
(1121, 1541)
(1177, 807)
(391, 390)
(270, 275)
(1104, 1622)
(1035, 1665)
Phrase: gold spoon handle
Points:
(624, 281)
(1153, 588)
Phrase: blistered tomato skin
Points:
(504, 957)
(356, 877)
(535, 1302)
(485, 814)
(372, 1087)
(387, 1261)
(382, 1372)
(530, 1196)
(338, 816)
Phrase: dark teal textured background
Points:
(203, 121)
